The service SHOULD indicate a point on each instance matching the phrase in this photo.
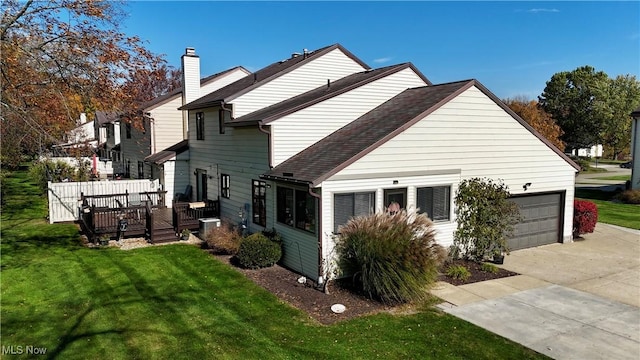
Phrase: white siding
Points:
(333, 65)
(222, 81)
(167, 125)
(174, 176)
(378, 183)
(474, 134)
(295, 132)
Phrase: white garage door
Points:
(541, 222)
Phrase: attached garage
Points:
(541, 223)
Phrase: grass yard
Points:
(609, 212)
(621, 178)
(177, 302)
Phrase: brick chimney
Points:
(190, 83)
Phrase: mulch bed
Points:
(477, 274)
(285, 285)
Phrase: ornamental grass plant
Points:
(393, 258)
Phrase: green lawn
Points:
(177, 302)
(615, 177)
(609, 212)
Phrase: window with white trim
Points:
(347, 206)
(225, 185)
(435, 201)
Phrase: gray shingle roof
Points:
(296, 103)
(341, 148)
(166, 154)
(333, 153)
(106, 117)
(178, 91)
(260, 77)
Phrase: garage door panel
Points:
(540, 223)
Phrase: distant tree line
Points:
(582, 108)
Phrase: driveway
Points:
(572, 301)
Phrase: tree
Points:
(60, 58)
(540, 120)
(485, 218)
(624, 97)
(577, 102)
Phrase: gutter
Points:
(269, 139)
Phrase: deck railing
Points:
(154, 198)
(186, 215)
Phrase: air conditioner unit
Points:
(206, 225)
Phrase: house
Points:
(230, 156)
(304, 163)
(635, 149)
(81, 137)
(163, 129)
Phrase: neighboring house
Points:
(164, 127)
(304, 163)
(635, 149)
(594, 151)
(80, 137)
(171, 167)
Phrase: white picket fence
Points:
(64, 198)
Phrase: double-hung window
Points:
(435, 201)
(347, 206)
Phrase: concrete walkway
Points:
(572, 301)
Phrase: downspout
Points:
(265, 131)
(321, 283)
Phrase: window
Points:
(127, 127)
(346, 206)
(225, 185)
(296, 208)
(199, 126)
(140, 170)
(127, 169)
(435, 202)
(259, 196)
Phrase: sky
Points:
(513, 48)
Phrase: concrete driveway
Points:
(572, 301)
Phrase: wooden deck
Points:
(150, 219)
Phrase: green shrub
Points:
(223, 240)
(629, 197)
(458, 272)
(490, 268)
(394, 257)
(272, 235)
(257, 251)
(57, 171)
(485, 217)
